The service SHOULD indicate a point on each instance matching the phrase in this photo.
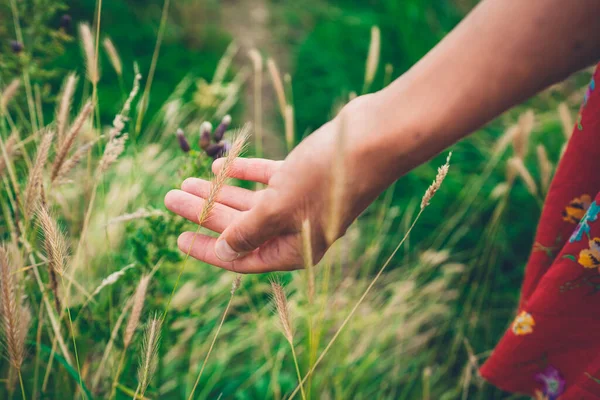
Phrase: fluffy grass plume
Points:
(516, 167)
(34, 183)
(69, 140)
(56, 250)
(73, 161)
(10, 148)
(521, 138)
(149, 354)
(16, 318)
(545, 166)
(136, 311)
(281, 306)
(437, 182)
(8, 93)
(64, 107)
(113, 55)
(89, 51)
(373, 57)
(566, 120)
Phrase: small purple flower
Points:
(183, 143)
(213, 150)
(554, 384)
(16, 47)
(220, 131)
(205, 130)
(65, 22)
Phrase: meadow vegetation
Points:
(96, 301)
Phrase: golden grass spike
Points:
(136, 311)
(149, 356)
(64, 108)
(69, 140)
(8, 93)
(566, 120)
(545, 166)
(373, 57)
(437, 182)
(113, 55)
(281, 306)
(517, 167)
(34, 183)
(277, 85)
(89, 51)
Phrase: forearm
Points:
(502, 53)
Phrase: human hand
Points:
(261, 230)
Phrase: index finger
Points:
(249, 169)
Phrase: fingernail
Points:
(224, 251)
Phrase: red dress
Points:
(552, 348)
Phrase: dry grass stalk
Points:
(10, 148)
(149, 356)
(136, 311)
(16, 318)
(545, 166)
(521, 139)
(225, 62)
(506, 138)
(34, 184)
(113, 150)
(56, 250)
(373, 57)
(72, 162)
(281, 305)
(69, 140)
(289, 126)
(257, 63)
(235, 285)
(138, 214)
(437, 182)
(219, 180)
(516, 167)
(307, 256)
(89, 50)
(566, 120)
(338, 184)
(113, 55)
(64, 108)
(8, 93)
(277, 85)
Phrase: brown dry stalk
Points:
(521, 139)
(545, 166)
(73, 161)
(56, 250)
(16, 318)
(307, 255)
(516, 167)
(8, 93)
(10, 147)
(281, 305)
(64, 108)
(136, 311)
(566, 120)
(32, 190)
(113, 55)
(69, 140)
(277, 85)
(89, 50)
(373, 57)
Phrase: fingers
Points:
(202, 247)
(234, 197)
(190, 206)
(250, 169)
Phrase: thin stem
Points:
(74, 343)
(22, 386)
(298, 371)
(113, 391)
(211, 346)
(358, 303)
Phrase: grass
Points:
(395, 310)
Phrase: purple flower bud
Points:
(65, 22)
(220, 131)
(16, 47)
(183, 143)
(214, 149)
(205, 130)
(226, 147)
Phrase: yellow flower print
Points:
(577, 209)
(523, 324)
(590, 258)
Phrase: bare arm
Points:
(502, 53)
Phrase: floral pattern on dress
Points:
(554, 384)
(577, 208)
(590, 258)
(584, 225)
(523, 324)
(591, 87)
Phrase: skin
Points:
(502, 53)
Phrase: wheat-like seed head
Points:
(521, 139)
(8, 93)
(72, 162)
(239, 143)
(277, 85)
(113, 150)
(545, 166)
(235, 285)
(281, 305)
(149, 354)
(16, 317)
(437, 182)
(373, 57)
(113, 55)
(34, 183)
(10, 148)
(57, 249)
(516, 167)
(136, 311)
(566, 120)
(64, 108)
(89, 50)
(69, 140)
(307, 255)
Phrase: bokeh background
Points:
(432, 318)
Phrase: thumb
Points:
(248, 232)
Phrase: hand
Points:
(261, 230)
